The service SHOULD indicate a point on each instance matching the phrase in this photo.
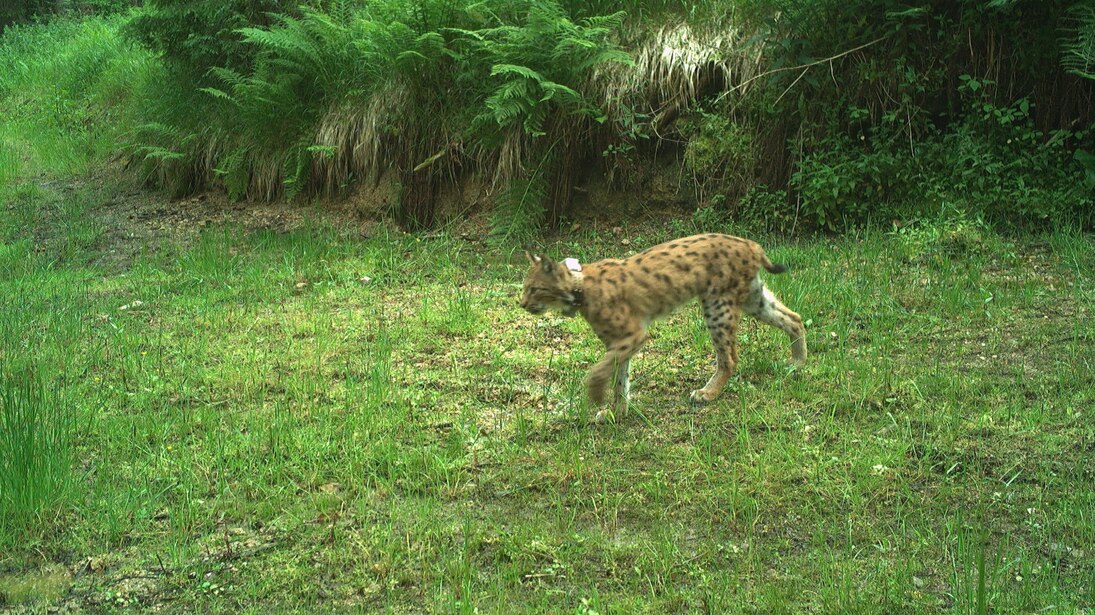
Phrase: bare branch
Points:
(804, 67)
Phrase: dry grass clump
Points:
(676, 65)
(351, 138)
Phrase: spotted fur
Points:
(620, 298)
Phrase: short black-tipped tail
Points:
(772, 267)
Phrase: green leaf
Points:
(513, 69)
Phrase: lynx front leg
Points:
(722, 324)
(614, 368)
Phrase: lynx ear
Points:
(532, 258)
(546, 264)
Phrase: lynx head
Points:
(549, 285)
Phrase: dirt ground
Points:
(135, 219)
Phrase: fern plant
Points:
(519, 212)
(533, 68)
(1079, 50)
(354, 90)
(539, 66)
(305, 68)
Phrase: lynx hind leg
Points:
(765, 307)
(722, 318)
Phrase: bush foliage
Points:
(974, 98)
(843, 111)
(15, 11)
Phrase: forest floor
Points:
(270, 408)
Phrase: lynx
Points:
(620, 298)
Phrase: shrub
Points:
(994, 159)
(842, 182)
(914, 106)
(194, 36)
(767, 209)
(352, 92)
(720, 156)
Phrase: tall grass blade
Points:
(36, 436)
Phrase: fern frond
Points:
(477, 35)
(1079, 51)
(228, 76)
(605, 22)
(512, 69)
(430, 40)
(162, 154)
(520, 211)
(552, 88)
(219, 94)
(410, 54)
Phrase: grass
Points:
(256, 426)
(67, 90)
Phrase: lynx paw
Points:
(701, 396)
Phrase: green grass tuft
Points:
(36, 443)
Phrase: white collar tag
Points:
(573, 264)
